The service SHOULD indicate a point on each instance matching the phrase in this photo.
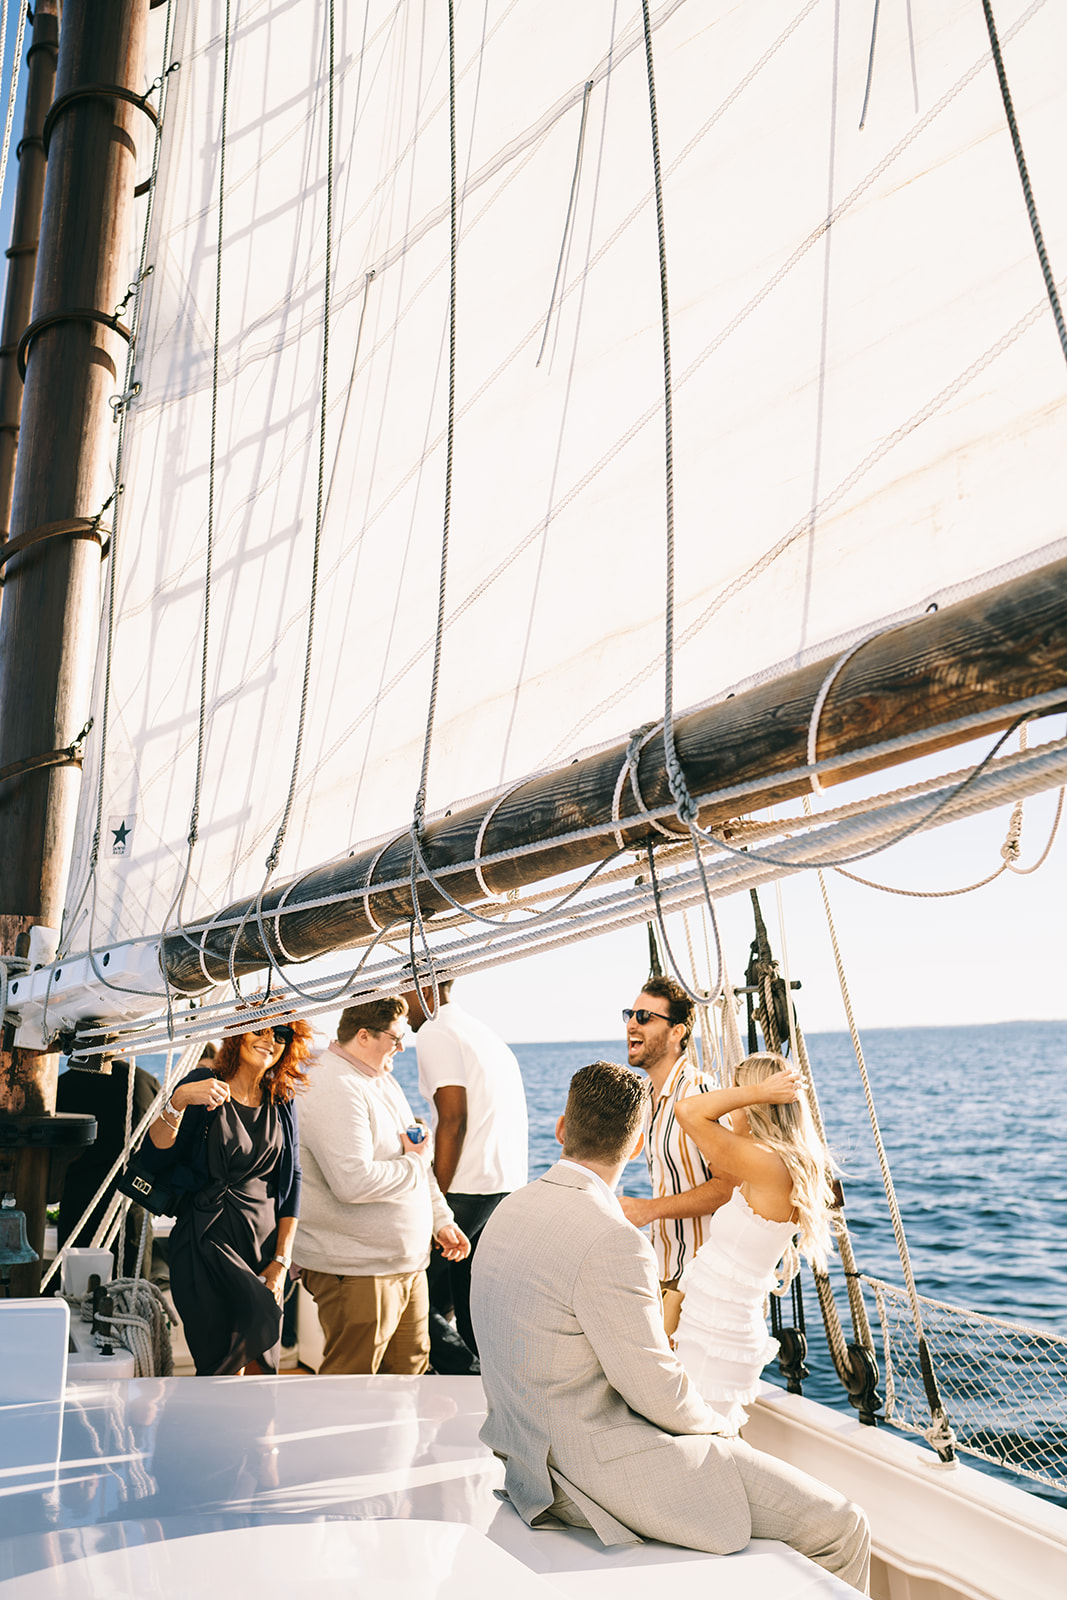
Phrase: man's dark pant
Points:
(454, 1350)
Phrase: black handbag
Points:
(154, 1191)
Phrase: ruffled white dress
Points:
(722, 1337)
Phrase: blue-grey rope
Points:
(420, 798)
(212, 461)
(272, 859)
(685, 805)
(568, 219)
(1024, 178)
(13, 89)
(870, 66)
(419, 811)
(320, 500)
(121, 417)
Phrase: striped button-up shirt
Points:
(675, 1165)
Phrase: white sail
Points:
(868, 394)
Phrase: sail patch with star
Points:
(120, 834)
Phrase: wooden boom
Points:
(993, 650)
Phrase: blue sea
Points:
(971, 1118)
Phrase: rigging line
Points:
(420, 798)
(1024, 178)
(272, 859)
(121, 418)
(913, 827)
(320, 501)
(569, 217)
(941, 1435)
(16, 64)
(870, 66)
(684, 804)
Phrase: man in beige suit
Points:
(588, 1405)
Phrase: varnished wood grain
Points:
(983, 653)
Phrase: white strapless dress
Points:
(722, 1336)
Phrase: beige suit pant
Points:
(372, 1324)
(788, 1504)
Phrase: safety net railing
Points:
(1003, 1384)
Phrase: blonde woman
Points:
(778, 1211)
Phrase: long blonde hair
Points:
(789, 1130)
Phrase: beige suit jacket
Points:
(585, 1395)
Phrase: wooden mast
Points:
(984, 653)
(72, 357)
(25, 231)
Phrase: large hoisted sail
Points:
(868, 418)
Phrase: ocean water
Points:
(971, 1119)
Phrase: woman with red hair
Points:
(227, 1137)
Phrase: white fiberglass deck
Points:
(182, 1487)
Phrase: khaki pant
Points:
(372, 1324)
(672, 1298)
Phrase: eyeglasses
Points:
(641, 1016)
(280, 1034)
(387, 1033)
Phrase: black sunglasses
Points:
(642, 1017)
(282, 1033)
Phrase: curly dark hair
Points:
(286, 1077)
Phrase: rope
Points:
(142, 1317)
(620, 909)
(162, 82)
(685, 807)
(942, 1437)
(569, 217)
(186, 1061)
(1024, 178)
(272, 859)
(420, 798)
(870, 67)
(16, 64)
(1009, 850)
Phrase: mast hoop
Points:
(94, 91)
(54, 318)
(26, 249)
(78, 527)
(32, 141)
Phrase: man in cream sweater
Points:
(370, 1204)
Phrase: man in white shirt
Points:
(471, 1080)
(370, 1203)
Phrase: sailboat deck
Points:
(263, 1486)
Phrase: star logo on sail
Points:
(120, 830)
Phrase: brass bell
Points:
(15, 1248)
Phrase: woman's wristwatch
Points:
(283, 1261)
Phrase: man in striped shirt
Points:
(684, 1189)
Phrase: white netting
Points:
(1003, 1384)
